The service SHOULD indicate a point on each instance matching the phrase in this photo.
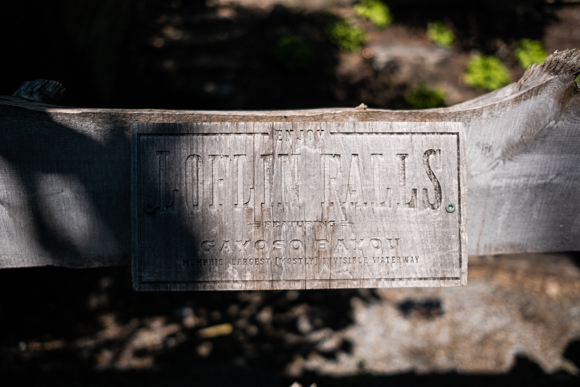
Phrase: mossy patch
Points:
(529, 52)
(440, 34)
(423, 97)
(375, 11)
(293, 52)
(345, 35)
(486, 72)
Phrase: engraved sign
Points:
(298, 205)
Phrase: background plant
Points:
(375, 11)
(345, 35)
(440, 34)
(293, 52)
(486, 73)
(530, 51)
(423, 97)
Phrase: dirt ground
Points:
(516, 323)
(219, 54)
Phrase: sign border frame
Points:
(181, 129)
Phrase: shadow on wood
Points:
(66, 184)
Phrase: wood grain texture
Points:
(65, 172)
(304, 205)
(41, 90)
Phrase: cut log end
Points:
(565, 62)
(41, 90)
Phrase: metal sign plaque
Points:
(298, 205)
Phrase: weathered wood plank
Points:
(314, 205)
(41, 90)
(65, 172)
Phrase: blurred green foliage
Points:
(345, 35)
(374, 10)
(423, 97)
(486, 73)
(440, 34)
(530, 51)
(293, 52)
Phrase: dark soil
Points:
(75, 327)
(188, 55)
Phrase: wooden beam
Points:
(65, 172)
(41, 90)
